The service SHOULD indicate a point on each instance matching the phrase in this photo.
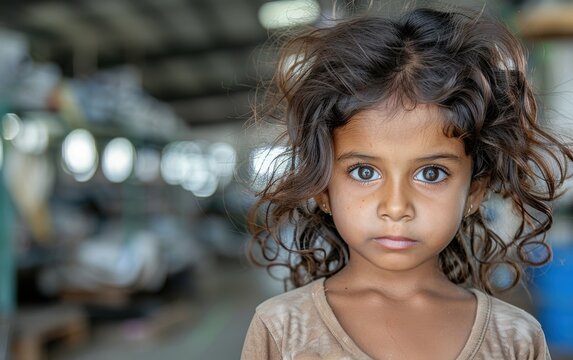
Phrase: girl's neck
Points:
(392, 284)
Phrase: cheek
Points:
(447, 213)
(352, 215)
(349, 201)
(449, 206)
(349, 226)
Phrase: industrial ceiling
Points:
(199, 56)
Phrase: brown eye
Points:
(364, 173)
(431, 174)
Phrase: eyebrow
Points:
(440, 156)
(430, 157)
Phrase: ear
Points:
(323, 201)
(478, 189)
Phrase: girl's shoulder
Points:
(299, 324)
(293, 302)
(506, 331)
(507, 316)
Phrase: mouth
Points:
(396, 242)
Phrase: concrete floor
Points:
(229, 293)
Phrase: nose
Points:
(395, 201)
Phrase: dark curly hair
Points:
(473, 70)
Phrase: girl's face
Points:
(399, 187)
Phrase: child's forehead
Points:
(382, 116)
(400, 135)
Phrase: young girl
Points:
(397, 130)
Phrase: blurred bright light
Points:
(176, 159)
(147, 164)
(266, 160)
(79, 154)
(117, 161)
(285, 13)
(32, 138)
(183, 163)
(11, 124)
(222, 158)
(170, 165)
(208, 188)
(197, 172)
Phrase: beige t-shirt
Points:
(300, 324)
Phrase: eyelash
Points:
(365, 182)
(355, 166)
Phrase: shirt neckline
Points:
(477, 333)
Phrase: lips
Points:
(396, 242)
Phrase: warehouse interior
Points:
(127, 155)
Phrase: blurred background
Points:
(123, 131)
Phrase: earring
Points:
(469, 210)
(326, 209)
